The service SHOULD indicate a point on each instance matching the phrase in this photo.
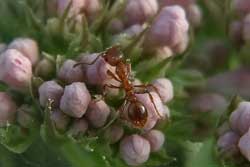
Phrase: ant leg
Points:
(113, 76)
(91, 63)
(147, 86)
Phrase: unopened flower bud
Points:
(96, 73)
(7, 109)
(156, 139)
(165, 89)
(69, 73)
(25, 117)
(244, 145)
(75, 100)
(27, 47)
(133, 30)
(134, 150)
(44, 68)
(242, 7)
(194, 14)
(182, 46)
(88, 7)
(246, 28)
(168, 28)
(50, 90)
(240, 118)
(79, 127)
(227, 143)
(98, 113)
(114, 133)
(60, 120)
(139, 11)
(153, 115)
(16, 69)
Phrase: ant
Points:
(136, 111)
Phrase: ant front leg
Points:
(91, 63)
(146, 90)
(147, 86)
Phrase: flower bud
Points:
(133, 30)
(24, 116)
(60, 120)
(156, 139)
(139, 11)
(44, 68)
(208, 102)
(242, 7)
(16, 69)
(134, 150)
(69, 73)
(88, 7)
(79, 127)
(246, 28)
(165, 89)
(96, 74)
(2, 47)
(50, 90)
(183, 3)
(164, 52)
(153, 117)
(235, 31)
(227, 143)
(98, 113)
(240, 118)
(27, 47)
(194, 15)
(244, 145)
(75, 100)
(182, 46)
(114, 133)
(168, 28)
(115, 26)
(7, 109)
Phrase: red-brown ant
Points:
(136, 111)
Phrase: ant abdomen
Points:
(137, 114)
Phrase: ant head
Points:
(113, 55)
(137, 114)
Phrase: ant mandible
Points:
(136, 111)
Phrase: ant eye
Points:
(138, 114)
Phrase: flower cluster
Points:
(235, 135)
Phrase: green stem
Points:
(79, 157)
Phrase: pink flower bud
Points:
(24, 116)
(27, 47)
(133, 30)
(75, 100)
(139, 11)
(183, 3)
(134, 150)
(209, 102)
(194, 14)
(114, 133)
(182, 46)
(240, 118)
(156, 139)
(115, 26)
(50, 90)
(246, 28)
(88, 7)
(228, 142)
(165, 89)
(16, 69)
(244, 145)
(79, 127)
(45, 68)
(8, 109)
(98, 113)
(241, 6)
(168, 28)
(153, 117)
(69, 73)
(96, 74)
(60, 120)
